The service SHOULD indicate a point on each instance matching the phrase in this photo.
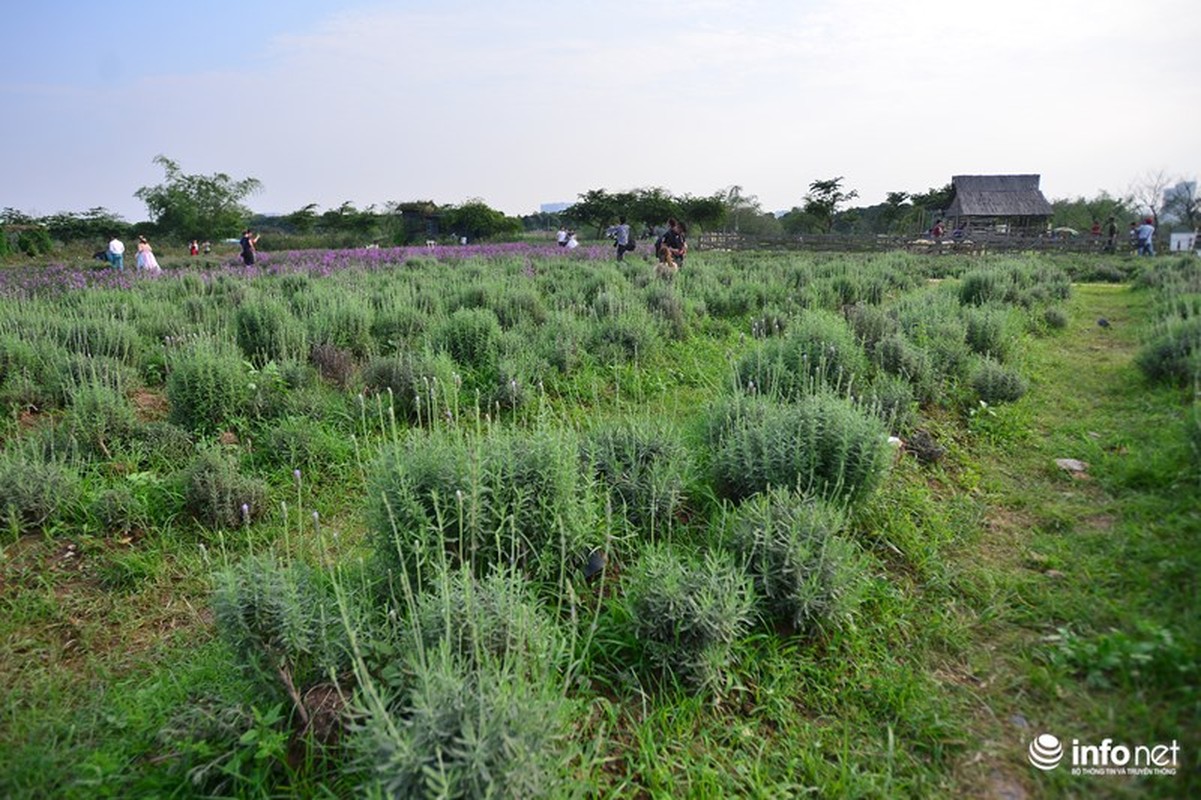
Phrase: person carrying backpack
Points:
(623, 239)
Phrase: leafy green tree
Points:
(596, 207)
(1080, 212)
(350, 222)
(197, 206)
(647, 207)
(303, 220)
(476, 220)
(90, 225)
(824, 199)
(706, 213)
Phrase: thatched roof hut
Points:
(1003, 203)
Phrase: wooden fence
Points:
(858, 243)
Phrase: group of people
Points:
(144, 261)
(566, 238)
(1142, 237)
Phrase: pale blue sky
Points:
(522, 102)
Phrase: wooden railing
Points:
(972, 243)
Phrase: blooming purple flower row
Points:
(33, 280)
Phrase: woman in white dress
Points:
(146, 261)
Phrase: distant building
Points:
(1010, 204)
(554, 208)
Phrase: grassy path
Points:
(1084, 586)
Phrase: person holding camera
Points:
(622, 239)
(248, 240)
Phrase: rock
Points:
(1104, 323)
(925, 448)
(596, 563)
(1071, 464)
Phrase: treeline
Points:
(211, 207)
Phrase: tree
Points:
(1148, 194)
(739, 207)
(476, 220)
(823, 200)
(595, 207)
(303, 220)
(706, 213)
(197, 206)
(93, 224)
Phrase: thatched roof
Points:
(998, 196)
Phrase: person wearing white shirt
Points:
(571, 241)
(561, 236)
(116, 253)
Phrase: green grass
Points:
(1003, 598)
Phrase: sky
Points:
(523, 102)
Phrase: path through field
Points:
(1078, 552)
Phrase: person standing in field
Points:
(194, 248)
(1146, 236)
(248, 240)
(207, 247)
(146, 262)
(621, 236)
(1111, 235)
(571, 242)
(561, 236)
(116, 253)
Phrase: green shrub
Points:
(299, 443)
(664, 302)
(333, 364)
(163, 445)
(1055, 318)
(266, 331)
(997, 384)
(470, 732)
(34, 242)
(897, 356)
(510, 498)
(471, 336)
(891, 398)
(419, 384)
(806, 572)
(33, 493)
(496, 617)
(101, 337)
(101, 420)
(344, 322)
(689, 612)
(630, 335)
(643, 468)
(218, 495)
(119, 510)
(397, 328)
(207, 387)
(515, 307)
(821, 445)
(986, 331)
(871, 325)
(1173, 355)
(984, 286)
(819, 350)
(280, 621)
